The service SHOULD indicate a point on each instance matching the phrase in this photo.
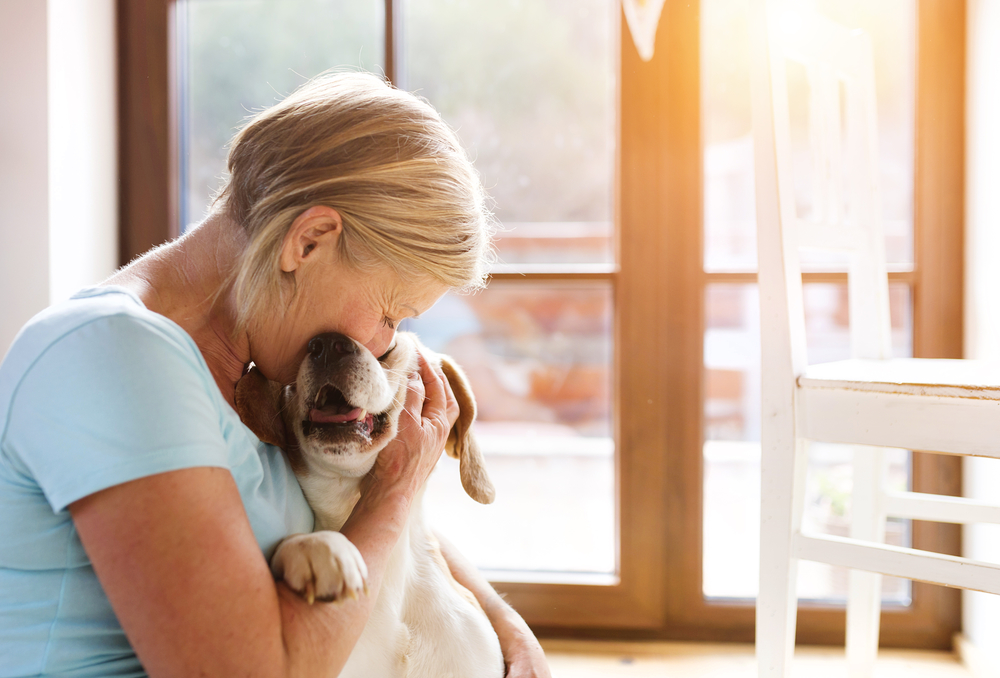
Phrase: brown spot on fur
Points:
(259, 403)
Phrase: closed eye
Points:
(385, 355)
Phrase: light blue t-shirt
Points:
(95, 392)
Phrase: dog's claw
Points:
(321, 566)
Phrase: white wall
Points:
(83, 182)
(58, 159)
(24, 236)
(981, 612)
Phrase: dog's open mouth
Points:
(331, 412)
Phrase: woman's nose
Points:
(381, 342)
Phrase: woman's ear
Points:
(317, 228)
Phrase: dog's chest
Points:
(331, 498)
(422, 625)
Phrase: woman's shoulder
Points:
(101, 360)
(98, 390)
(108, 309)
(99, 321)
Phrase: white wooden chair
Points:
(871, 400)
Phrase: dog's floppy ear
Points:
(462, 443)
(258, 403)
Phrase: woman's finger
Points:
(436, 398)
(415, 395)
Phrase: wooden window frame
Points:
(659, 313)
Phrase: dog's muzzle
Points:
(333, 354)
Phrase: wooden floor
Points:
(588, 659)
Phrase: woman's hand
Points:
(522, 654)
(428, 414)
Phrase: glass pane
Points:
(539, 357)
(730, 238)
(239, 56)
(732, 441)
(530, 87)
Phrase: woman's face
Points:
(334, 297)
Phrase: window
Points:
(616, 340)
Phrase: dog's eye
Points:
(385, 355)
(388, 322)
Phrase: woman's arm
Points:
(522, 654)
(175, 554)
(184, 574)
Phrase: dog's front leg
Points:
(322, 565)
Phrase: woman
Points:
(134, 506)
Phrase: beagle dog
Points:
(341, 412)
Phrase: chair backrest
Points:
(843, 147)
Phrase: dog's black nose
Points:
(330, 347)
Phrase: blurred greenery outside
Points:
(529, 86)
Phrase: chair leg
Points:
(863, 609)
(782, 496)
(864, 600)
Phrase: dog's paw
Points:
(321, 566)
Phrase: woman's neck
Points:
(188, 281)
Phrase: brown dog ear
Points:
(462, 444)
(258, 404)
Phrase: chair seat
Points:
(909, 376)
(947, 406)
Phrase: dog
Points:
(341, 412)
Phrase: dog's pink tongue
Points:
(321, 417)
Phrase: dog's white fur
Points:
(423, 624)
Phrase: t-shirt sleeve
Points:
(116, 399)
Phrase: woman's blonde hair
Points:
(406, 192)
